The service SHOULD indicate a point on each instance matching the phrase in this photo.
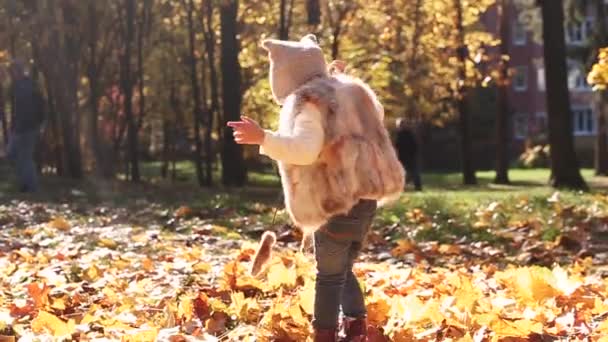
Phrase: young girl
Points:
(336, 162)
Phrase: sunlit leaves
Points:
(598, 77)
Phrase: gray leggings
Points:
(337, 245)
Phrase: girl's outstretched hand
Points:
(247, 131)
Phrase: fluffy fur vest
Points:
(358, 160)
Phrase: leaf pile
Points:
(91, 276)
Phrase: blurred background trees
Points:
(153, 82)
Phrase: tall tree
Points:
(213, 108)
(313, 9)
(339, 13)
(100, 38)
(502, 105)
(466, 153)
(234, 171)
(286, 9)
(565, 171)
(601, 140)
(197, 111)
(127, 82)
(3, 119)
(63, 49)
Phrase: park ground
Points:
(96, 259)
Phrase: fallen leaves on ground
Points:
(90, 277)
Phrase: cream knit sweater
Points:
(300, 146)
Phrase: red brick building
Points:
(527, 95)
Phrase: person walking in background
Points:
(27, 107)
(407, 149)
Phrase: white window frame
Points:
(577, 111)
(541, 81)
(521, 126)
(520, 70)
(520, 36)
(577, 78)
(582, 28)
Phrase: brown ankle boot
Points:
(355, 329)
(325, 335)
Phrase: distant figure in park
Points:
(407, 149)
(27, 118)
(336, 162)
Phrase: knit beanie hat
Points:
(293, 63)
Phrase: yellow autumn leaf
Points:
(141, 335)
(409, 309)
(88, 318)
(48, 323)
(518, 328)
(449, 249)
(108, 243)
(307, 297)
(600, 306)
(59, 223)
(378, 311)
(147, 264)
(466, 294)
(565, 283)
(403, 247)
(59, 303)
(93, 273)
(602, 329)
(279, 275)
(201, 267)
(185, 309)
(465, 338)
(530, 283)
(296, 315)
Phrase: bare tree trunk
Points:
(209, 36)
(466, 154)
(3, 119)
(54, 125)
(165, 154)
(313, 8)
(337, 24)
(285, 18)
(196, 94)
(99, 149)
(175, 129)
(142, 32)
(126, 77)
(234, 171)
(601, 142)
(283, 29)
(502, 105)
(564, 164)
(64, 53)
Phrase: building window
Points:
(583, 121)
(519, 33)
(520, 128)
(577, 79)
(541, 122)
(578, 33)
(520, 79)
(540, 78)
